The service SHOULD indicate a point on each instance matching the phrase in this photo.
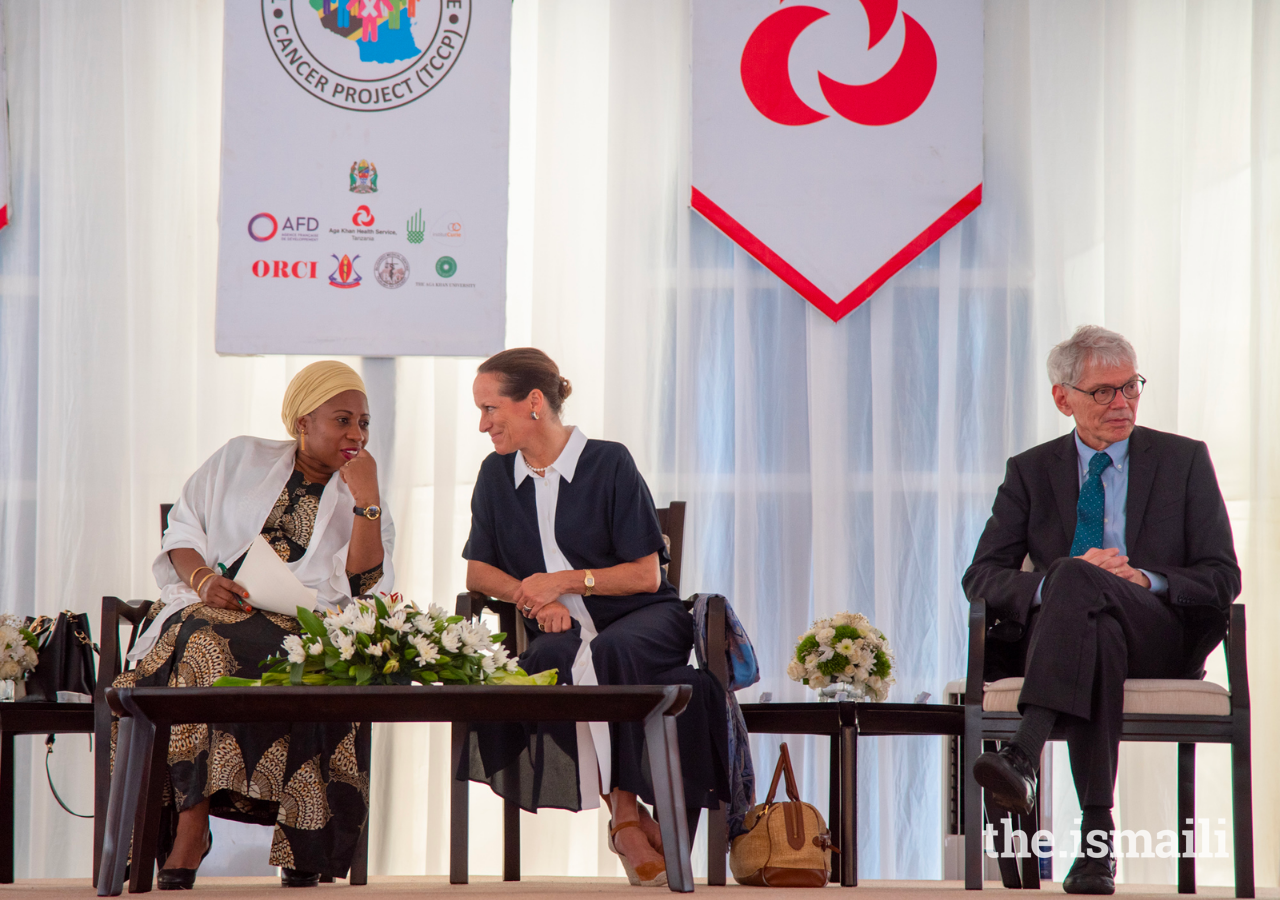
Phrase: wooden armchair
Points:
(1178, 711)
(473, 603)
(115, 612)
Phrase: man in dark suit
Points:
(1108, 555)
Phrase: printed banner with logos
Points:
(835, 140)
(5, 211)
(364, 177)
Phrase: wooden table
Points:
(30, 717)
(845, 722)
(142, 748)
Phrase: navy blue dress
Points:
(604, 517)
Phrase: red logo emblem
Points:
(345, 275)
(280, 268)
(891, 98)
(363, 217)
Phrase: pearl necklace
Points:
(541, 472)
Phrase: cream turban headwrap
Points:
(314, 385)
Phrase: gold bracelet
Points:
(203, 580)
(191, 581)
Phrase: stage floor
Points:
(482, 888)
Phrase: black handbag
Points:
(64, 655)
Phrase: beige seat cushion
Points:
(1141, 695)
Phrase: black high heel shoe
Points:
(182, 879)
(298, 878)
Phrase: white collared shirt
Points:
(548, 494)
(593, 738)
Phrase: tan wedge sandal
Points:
(649, 874)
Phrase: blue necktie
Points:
(1089, 511)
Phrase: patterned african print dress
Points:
(309, 781)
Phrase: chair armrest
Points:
(1237, 662)
(470, 603)
(110, 663)
(473, 603)
(977, 652)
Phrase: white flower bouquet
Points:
(17, 648)
(386, 639)
(844, 649)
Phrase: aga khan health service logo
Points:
(836, 140)
(367, 55)
(892, 97)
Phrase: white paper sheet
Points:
(270, 583)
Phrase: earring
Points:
(302, 441)
(535, 414)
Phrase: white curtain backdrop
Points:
(1132, 179)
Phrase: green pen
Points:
(223, 570)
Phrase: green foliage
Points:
(882, 666)
(385, 639)
(806, 646)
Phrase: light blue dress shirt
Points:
(1115, 486)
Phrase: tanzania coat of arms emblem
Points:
(345, 276)
(364, 178)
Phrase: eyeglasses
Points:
(1105, 395)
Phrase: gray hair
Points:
(1090, 344)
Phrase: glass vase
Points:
(840, 692)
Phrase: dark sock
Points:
(1037, 722)
(1095, 818)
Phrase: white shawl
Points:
(222, 509)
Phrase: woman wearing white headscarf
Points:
(315, 500)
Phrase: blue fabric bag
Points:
(744, 671)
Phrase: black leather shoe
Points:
(1092, 876)
(1010, 777)
(176, 879)
(297, 878)
(181, 879)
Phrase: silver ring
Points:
(528, 608)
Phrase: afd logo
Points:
(264, 226)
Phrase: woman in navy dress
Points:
(565, 528)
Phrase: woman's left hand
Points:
(535, 592)
(554, 618)
(361, 476)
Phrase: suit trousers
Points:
(1093, 630)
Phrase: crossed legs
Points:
(1093, 631)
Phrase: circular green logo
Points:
(446, 266)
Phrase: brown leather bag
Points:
(787, 844)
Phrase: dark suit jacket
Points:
(1175, 524)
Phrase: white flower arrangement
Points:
(386, 639)
(17, 648)
(844, 649)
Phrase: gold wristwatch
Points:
(588, 584)
(369, 512)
